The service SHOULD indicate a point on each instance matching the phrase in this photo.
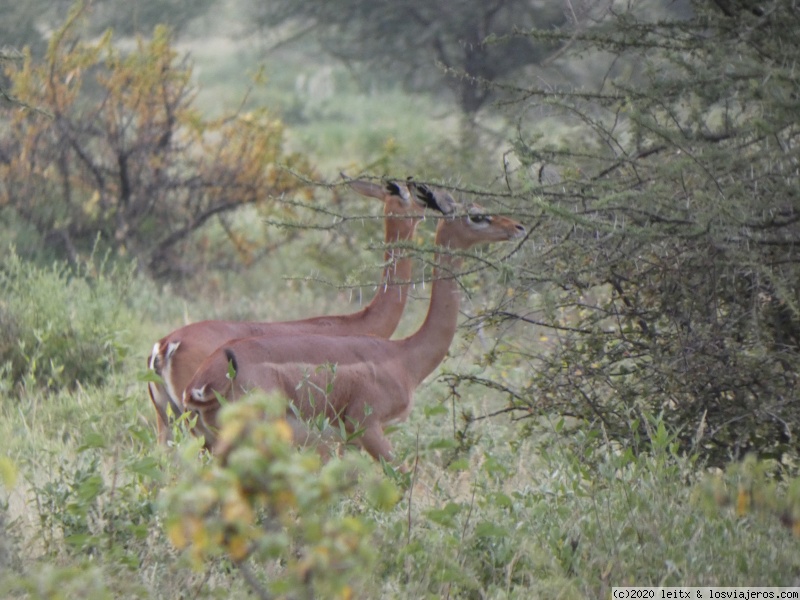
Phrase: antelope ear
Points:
(398, 189)
(171, 348)
(153, 362)
(199, 394)
(365, 188)
(434, 199)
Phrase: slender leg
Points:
(376, 444)
(304, 436)
(157, 395)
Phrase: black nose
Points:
(520, 229)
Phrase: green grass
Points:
(553, 516)
(88, 496)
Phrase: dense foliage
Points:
(666, 247)
(263, 500)
(61, 326)
(109, 146)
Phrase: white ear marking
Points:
(171, 348)
(153, 355)
(199, 394)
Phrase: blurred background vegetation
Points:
(163, 162)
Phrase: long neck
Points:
(382, 315)
(425, 349)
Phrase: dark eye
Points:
(479, 218)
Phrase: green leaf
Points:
(432, 411)
(148, 467)
(149, 376)
(92, 440)
(501, 500)
(223, 401)
(8, 472)
(489, 529)
(78, 540)
(90, 488)
(445, 516)
(443, 444)
(384, 495)
(461, 464)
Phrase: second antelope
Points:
(363, 382)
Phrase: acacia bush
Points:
(662, 276)
(107, 143)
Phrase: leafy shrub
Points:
(263, 500)
(110, 143)
(666, 249)
(61, 326)
(91, 510)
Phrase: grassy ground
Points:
(509, 518)
(89, 496)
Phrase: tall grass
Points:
(560, 518)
